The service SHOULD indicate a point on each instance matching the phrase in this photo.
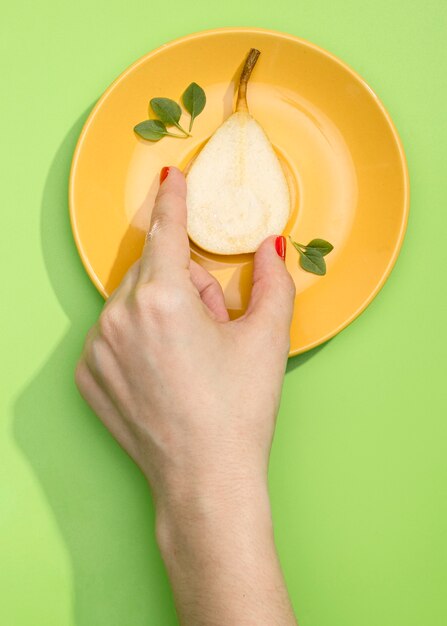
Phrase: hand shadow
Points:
(98, 497)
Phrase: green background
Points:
(358, 470)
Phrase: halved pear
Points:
(237, 193)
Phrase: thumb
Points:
(273, 292)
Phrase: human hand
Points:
(193, 397)
(189, 394)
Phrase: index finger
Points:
(166, 249)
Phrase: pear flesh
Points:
(237, 193)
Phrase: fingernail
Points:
(280, 246)
(164, 172)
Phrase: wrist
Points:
(195, 515)
(218, 548)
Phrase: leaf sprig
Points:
(312, 255)
(169, 113)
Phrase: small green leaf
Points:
(168, 111)
(312, 261)
(320, 244)
(194, 99)
(153, 130)
(311, 256)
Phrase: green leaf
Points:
(311, 256)
(153, 130)
(320, 244)
(168, 111)
(194, 99)
(312, 261)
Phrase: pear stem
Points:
(241, 102)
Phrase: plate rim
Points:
(282, 35)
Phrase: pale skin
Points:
(193, 398)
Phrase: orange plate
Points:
(341, 152)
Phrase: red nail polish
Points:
(163, 174)
(280, 246)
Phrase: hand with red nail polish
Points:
(193, 397)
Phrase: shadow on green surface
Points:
(98, 497)
(300, 359)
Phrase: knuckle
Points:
(93, 350)
(96, 354)
(159, 300)
(109, 322)
(160, 222)
(168, 301)
(211, 289)
(143, 297)
(214, 283)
